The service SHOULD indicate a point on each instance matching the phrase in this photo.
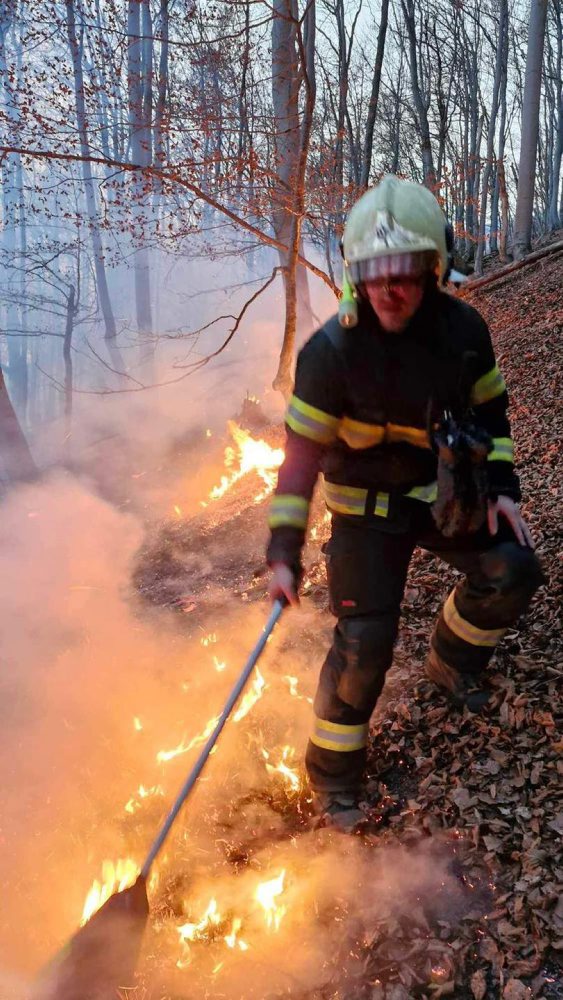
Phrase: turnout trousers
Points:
(366, 570)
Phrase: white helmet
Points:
(395, 228)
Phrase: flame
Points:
(251, 697)
(143, 793)
(115, 877)
(137, 724)
(219, 664)
(293, 682)
(210, 928)
(290, 776)
(164, 755)
(254, 455)
(177, 510)
(231, 940)
(266, 894)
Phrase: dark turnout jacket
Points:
(363, 404)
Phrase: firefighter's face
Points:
(395, 300)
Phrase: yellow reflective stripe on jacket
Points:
(359, 435)
(426, 493)
(353, 499)
(345, 499)
(310, 422)
(411, 435)
(487, 387)
(343, 739)
(503, 450)
(465, 630)
(381, 508)
(290, 510)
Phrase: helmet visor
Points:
(393, 265)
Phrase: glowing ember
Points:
(164, 755)
(177, 510)
(115, 877)
(137, 724)
(251, 697)
(254, 455)
(219, 664)
(290, 775)
(266, 894)
(208, 640)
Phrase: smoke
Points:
(106, 702)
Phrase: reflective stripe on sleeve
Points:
(359, 435)
(310, 422)
(290, 510)
(465, 630)
(426, 493)
(487, 387)
(503, 450)
(334, 736)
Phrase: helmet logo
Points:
(389, 234)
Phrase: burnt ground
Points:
(487, 789)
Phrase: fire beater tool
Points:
(99, 960)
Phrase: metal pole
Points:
(202, 759)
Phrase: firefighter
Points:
(368, 391)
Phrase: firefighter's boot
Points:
(464, 689)
(339, 810)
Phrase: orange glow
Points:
(137, 724)
(250, 455)
(115, 877)
(266, 894)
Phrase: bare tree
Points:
(76, 45)
(487, 171)
(374, 95)
(530, 130)
(421, 97)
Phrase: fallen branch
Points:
(472, 286)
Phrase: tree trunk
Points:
(67, 359)
(553, 219)
(98, 252)
(284, 376)
(503, 15)
(374, 96)
(141, 147)
(503, 195)
(12, 216)
(501, 142)
(421, 103)
(529, 130)
(15, 457)
(287, 76)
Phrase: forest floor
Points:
(480, 796)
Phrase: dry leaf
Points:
(478, 984)
(515, 989)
